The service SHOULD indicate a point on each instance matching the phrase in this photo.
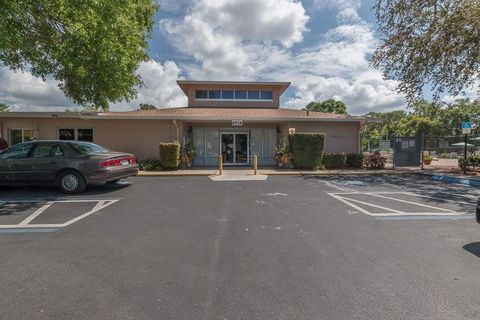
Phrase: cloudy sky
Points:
(321, 46)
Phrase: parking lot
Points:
(366, 247)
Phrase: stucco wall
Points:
(140, 137)
(339, 136)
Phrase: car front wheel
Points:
(71, 182)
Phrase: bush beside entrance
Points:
(307, 150)
(169, 155)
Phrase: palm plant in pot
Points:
(283, 156)
(189, 154)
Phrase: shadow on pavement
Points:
(52, 191)
(473, 248)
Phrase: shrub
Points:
(334, 160)
(169, 155)
(374, 161)
(307, 150)
(355, 160)
(149, 165)
(472, 161)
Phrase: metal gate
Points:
(407, 152)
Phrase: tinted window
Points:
(85, 135)
(214, 94)
(253, 95)
(201, 94)
(45, 150)
(66, 134)
(227, 94)
(87, 147)
(240, 94)
(266, 95)
(18, 151)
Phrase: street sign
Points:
(466, 127)
(291, 130)
(384, 144)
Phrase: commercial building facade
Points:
(232, 119)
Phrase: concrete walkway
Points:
(269, 171)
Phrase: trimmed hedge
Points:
(355, 160)
(169, 155)
(334, 160)
(149, 165)
(307, 150)
(375, 161)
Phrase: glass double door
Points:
(234, 148)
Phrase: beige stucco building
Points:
(235, 119)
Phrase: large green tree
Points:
(4, 107)
(147, 106)
(329, 106)
(91, 47)
(432, 43)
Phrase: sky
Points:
(322, 47)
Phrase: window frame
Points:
(23, 135)
(75, 133)
(38, 144)
(234, 95)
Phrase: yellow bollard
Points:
(255, 159)
(220, 165)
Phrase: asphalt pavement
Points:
(393, 247)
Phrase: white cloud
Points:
(222, 35)
(347, 9)
(24, 92)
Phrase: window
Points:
(18, 151)
(201, 94)
(227, 94)
(240, 94)
(75, 134)
(266, 95)
(87, 147)
(214, 94)
(45, 150)
(20, 135)
(234, 94)
(85, 135)
(253, 95)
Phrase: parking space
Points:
(29, 214)
(391, 204)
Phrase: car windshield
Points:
(87, 147)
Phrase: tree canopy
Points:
(328, 106)
(4, 107)
(147, 106)
(429, 118)
(91, 47)
(432, 43)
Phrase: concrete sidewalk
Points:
(269, 172)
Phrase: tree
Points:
(432, 43)
(328, 106)
(91, 47)
(147, 106)
(4, 107)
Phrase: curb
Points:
(300, 173)
(456, 180)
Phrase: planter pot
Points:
(427, 162)
(283, 160)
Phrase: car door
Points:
(9, 159)
(43, 163)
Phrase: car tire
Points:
(71, 181)
(113, 182)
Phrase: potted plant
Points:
(189, 154)
(427, 159)
(283, 156)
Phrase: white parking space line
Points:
(390, 212)
(38, 212)
(25, 224)
(410, 202)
